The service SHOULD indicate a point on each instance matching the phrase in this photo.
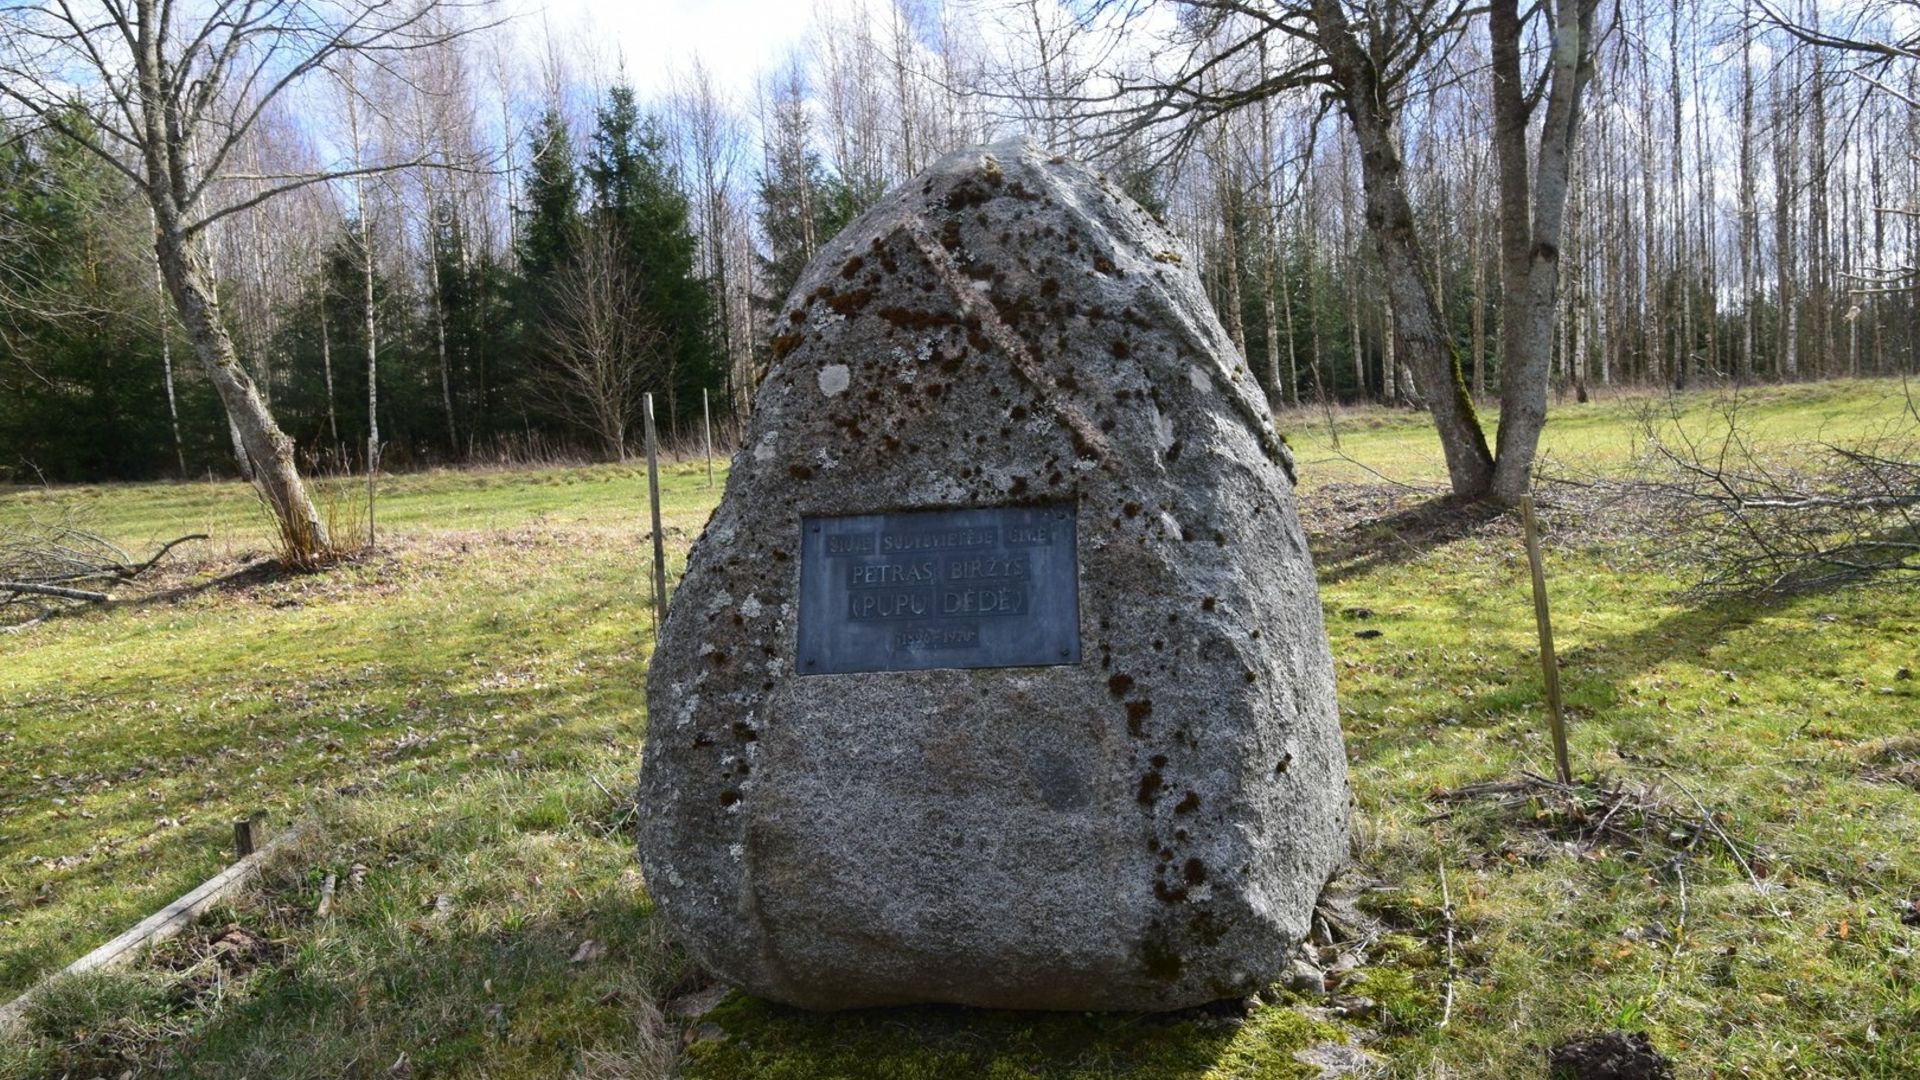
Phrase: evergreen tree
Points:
(802, 205)
(794, 197)
(552, 211)
(81, 393)
(633, 192)
(473, 300)
(549, 237)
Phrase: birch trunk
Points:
(1351, 279)
(1786, 181)
(1315, 348)
(1420, 339)
(166, 358)
(1652, 311)
(173, 407)
(326, 368)
(373, 351)
(267, 449)
(1707, 207)
(1681, 278)
(1749, 213)
(1270, 215)
(440, 338)
(1227, 189)
(1819, 226)
(1531, 211)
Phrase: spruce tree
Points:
(81, 396)
(473, 299)
(633, 191)
(552, 212)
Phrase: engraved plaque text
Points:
(975, 588)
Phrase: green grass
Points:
(484, 500)
(461, 712)
(1401, 446)
(471, 680)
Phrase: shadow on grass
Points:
(1353, 548)
(1599, 675)
(262, 571)
(262, 990)
(1595, 675)
(760, 1040)
(1599, 672)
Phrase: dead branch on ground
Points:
(1629, 815)
(1746, 520)
(46, 565)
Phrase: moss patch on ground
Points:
(763, 1041)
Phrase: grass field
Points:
(460, 714)
(1398, 446)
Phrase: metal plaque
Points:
(979, 588)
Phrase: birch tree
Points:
(171, 92)
(1368, 57)
(604, 350)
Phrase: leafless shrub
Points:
(339, 501)
(604, 350)
(1745, 519)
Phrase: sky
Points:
(737, 40)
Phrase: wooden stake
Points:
(706, 419)
(242, 838)
(659, 540)
(373, 470)
(1548, 665)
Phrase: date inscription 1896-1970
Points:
(975, 588)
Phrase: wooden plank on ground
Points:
(155, 928)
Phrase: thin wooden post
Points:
(1548, 665)
(706, 421)
(373, 471)
(659, 540)
(243, 838)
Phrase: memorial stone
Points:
(998, 678)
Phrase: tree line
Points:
(501, 249)
(405, 319)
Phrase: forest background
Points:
(566, 237)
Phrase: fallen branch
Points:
(1732, 848)
(131, 572)
(1744, 520)
(1594, 810)
(34, 588)
(51, 560)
